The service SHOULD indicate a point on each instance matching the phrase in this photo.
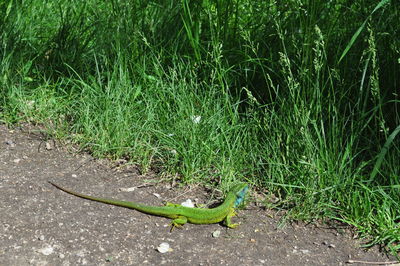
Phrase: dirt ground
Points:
(41, 225)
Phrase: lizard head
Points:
(240, 191)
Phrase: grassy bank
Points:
(300, 98)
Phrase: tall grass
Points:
(300, 97)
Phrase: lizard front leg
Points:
(227, 221)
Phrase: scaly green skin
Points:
(181, 214)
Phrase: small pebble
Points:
(188, 203)
(164, 248)
(216, 233)
(46, 251)
(304, 251)
(129, 189)
(11, 143)
(48, 146)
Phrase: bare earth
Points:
(40, 225)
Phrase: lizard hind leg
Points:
(178, 222)
(169, 204)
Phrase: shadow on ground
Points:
(41, 225)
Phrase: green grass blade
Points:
(383, 152)
(357, 33)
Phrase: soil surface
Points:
(41, 225)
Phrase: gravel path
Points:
(41, 225)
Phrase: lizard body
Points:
(180, 214)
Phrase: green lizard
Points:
(181, 214)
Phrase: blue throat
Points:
(240, 196)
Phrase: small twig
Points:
(372, 262)
(83, 164)
(182, 194)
